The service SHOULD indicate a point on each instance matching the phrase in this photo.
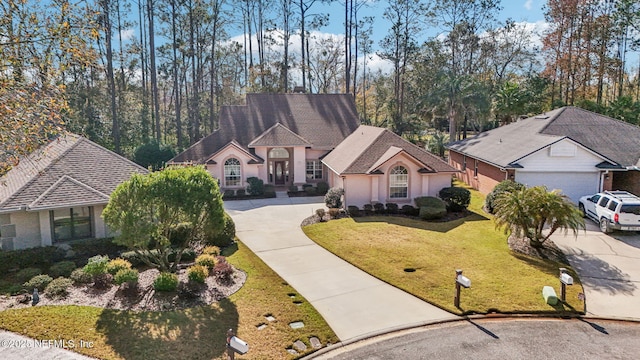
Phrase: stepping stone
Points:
(298, 302)
(292, 352)
(261, 326)
(296, 325)
(300, 346)
(270, 318)
(315, 342)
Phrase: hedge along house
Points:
(58, 193)
(374, 165)
(571, 149)
(279, 138)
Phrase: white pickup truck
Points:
(612, 210)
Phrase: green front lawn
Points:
(197, 333)
(501, 280)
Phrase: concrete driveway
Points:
(354, 303)
(609, 267)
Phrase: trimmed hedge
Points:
(226, 236)
(256, 186)
(322, 188)
(26, 274)
(392, 208)
(456, 198)
(431, 208)
(58, 288)
(378, 208)
(410, 210)
(353, 211)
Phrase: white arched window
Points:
(398, 183)
(278, 153)
(232, 172)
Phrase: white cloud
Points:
(127, 34)
(527, 4)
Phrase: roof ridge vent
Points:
(541, 116)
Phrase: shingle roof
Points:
(368, 147)
(323, 120)
(279, 135)
(70, 170)
(612, 139)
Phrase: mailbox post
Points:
(565, 279)
(460, 281)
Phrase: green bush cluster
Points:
(431, 208)
(333, 198)
(115, 265)
(392, 208)
(180, 234)
(269, 191)
(378, 208)
(223, 271)
(166, 282)
(78, 276)
(198, 273)
(62, 268)
(256, 186)
(456, 198)
(353, 211)
(322, 188)
(27, 273)
(227, 234)
(58, 287)
(206, 260)
(502, 187)
(368, 209)
(211, 250)
(126, 275)
(39, 282)
(39, 257)
(97, 265)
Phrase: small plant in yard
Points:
(333, 213)
(353, 211)
(410, 210)
(322, 188)
(62, 268)
(166, 282)
(97, 265)
(198, 273)
(116, 265)
(333, 198)
(223, 272)
(211, 250)
(58, 287)
(206, 260)
(241, 192)
(27, 273)
(256, 186)
(506, 186)
(78, 276)
(368, 209)
(39, 282)
(126, 276)
(431, 208)
(457, 198)
(392, 208)
(321, 213)
(378, 208)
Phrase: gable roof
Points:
(615, 141)
(69, 171)
(279, 135)
(322, 120)
(369, 147)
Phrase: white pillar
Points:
(374, 189)
(45, 228)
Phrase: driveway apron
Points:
(354, 303)
(609, 267)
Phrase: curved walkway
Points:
(354, 303)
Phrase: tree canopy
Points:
(146, 209)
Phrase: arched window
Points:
(232, 172)
(278, 153)
(398, 183)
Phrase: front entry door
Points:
(279, 172)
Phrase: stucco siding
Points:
(299, 165)
(357, 190)
(27, 225)
(246, 170)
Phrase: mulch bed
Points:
(548, 251)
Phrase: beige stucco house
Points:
(58, 193)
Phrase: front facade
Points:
(570, 149)
(58, 193)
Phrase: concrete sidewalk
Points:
(354, 303)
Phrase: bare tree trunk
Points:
(115, 127)
(176, 81)
(154, 73)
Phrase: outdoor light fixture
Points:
(460, 281)
(565, 279)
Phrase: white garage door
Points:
(574, 185)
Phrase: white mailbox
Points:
(464, 281)
(566, 279)
(238, 345)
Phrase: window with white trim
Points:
(314, 170)
(232, 176)
(398, 183)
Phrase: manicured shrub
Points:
(132, 257)
(180, 234)
(434, 209)
(410, 210)
(39, 282)
(62, 268)
(333, 198)
(223, 272)
(378, 208)
(40, 257)
(256, 186)
(353, 211)
(227, 234)
(166, 282)
(228, 194)
(58, 287)
(333, 213)
(306, 186)
(310, 191)
(269, 191)
(368, 209)
(78, 276)
(97, 265)
(198, 273)
(322, 188)
(392, 208)
(293, 188)
(211, 250)
(456, 198)
(502, 187)
(128, 276)
(116, 265)
(321, 213)
(26, 274)
(206, 260)
(241, 192)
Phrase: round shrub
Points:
(211, 250)
(58, 287)
(333, 213)
(310, 191)
(226, 235)
(26, 274)
(378, 208)
(431, 208)
(457, 198)
(198, 273)
(115, 265)
(39, 282)
(321, 213)
(78, 276)
(322, 188)
(97, 265)
(333, 198)
(206, 260)
(256, 186)
(353, 211)
(392, 208)
(132, 258)
(166, 282)
(223, 272)
(128, 276)
(241, 192)
(410, 210)
(62, 268)
(368, 209)
(502, 187)
(102, 281)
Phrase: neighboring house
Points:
(58, 193)
(571, 149)
(279, 138)
(375, 165)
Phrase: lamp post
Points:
(460, 281)
(565, 279)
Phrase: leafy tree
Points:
(527, 212)
(146, 208)
(153, 155)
